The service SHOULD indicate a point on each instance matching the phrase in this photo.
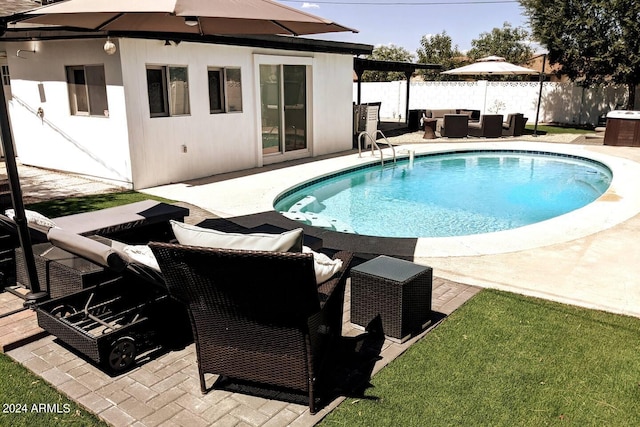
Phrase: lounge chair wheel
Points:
(122, 354)
(63, 310)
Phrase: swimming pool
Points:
(450, 194)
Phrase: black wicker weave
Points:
(257, 316)
(61, 273)
(397, 291)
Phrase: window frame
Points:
(92, 94)
(167, 104)
(223, 83)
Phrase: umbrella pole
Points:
(484, 106)
(535, 126)
(18, 206)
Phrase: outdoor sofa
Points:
(439, 114)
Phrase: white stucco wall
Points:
(333, 111)
(217, 143)
(94, 146)
(136, 150)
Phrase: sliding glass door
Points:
(283, 98)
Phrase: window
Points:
(225, 90)
(168, 90)
(87, 90)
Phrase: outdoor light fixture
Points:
(191, 21)
(109, 47)
(24, 50)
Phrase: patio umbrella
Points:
(490, 65)
(204, 17)
(199, 17)
(493, 65)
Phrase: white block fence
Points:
(565, 103)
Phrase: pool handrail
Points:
(375, 145)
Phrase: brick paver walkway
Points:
(165, 390)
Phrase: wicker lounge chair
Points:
(137, 222)
(489, 126)
(119, 317)
(455, 125)
(257, 316)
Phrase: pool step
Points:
(308, 202)
(318, 220)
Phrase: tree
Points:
(507, 42)
(438, 49)
(595, 41)
(387, 53)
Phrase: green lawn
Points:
(73, 205)
(27, 400)
(509, 360)
(546, 129)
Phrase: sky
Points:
(404, 22)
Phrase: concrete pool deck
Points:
(588, 257)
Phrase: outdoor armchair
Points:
(257, 316)
(455, 125)
(514, 125)
(489, 126)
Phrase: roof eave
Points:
(21, 33)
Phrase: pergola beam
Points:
(360, 65)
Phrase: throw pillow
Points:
(289, 241)
(324, 266)
(143, 255)
(33, 218)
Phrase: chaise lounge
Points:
(137, 222)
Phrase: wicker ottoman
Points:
(398, 291)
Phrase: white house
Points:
(155, 111)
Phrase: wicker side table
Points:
(61, 273)
(398, 291)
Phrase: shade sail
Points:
(490, 65)
(205, 17)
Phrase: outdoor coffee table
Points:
(398, 291)
(429, 128)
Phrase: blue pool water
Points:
(452, 194)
